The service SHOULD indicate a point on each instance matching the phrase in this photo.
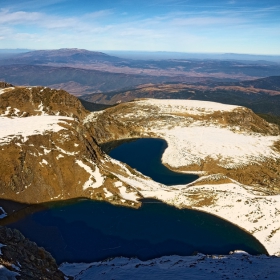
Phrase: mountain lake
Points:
(83, 230)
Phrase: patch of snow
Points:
(3, 90)
(59, 156)
(4, 214)
(16, 111)
(6, 274)
(24, 127)
(1, 245)
(45, 162)
(92, 116)
(238, 265)
(95, 179)
(107, 193)
(15, 267)
(65, 152)
(187, 146)
(193, 107)
(47, 151)
(56, 197)
(41, 109)
(7, 112)
(128, 195)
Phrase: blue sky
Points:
(147, 25)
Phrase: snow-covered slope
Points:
(11, 128)
(236, 152)
(238, 265)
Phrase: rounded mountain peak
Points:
(37, 101)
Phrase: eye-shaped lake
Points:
(86, 230)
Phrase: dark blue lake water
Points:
(145, 156)
(86, 230)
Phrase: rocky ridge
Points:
(23, 259)
(46, 152)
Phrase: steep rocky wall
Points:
(48, 154)
(25, 258)
(45, 166)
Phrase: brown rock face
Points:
(44, 167)
(36, 101)
(54, 163)
(26, 258)
(5, 85)
(47, 153)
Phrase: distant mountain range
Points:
(144, 55)
(163, 55)
(75, 80)
(83, 72)
(104, 79)
(60, 56)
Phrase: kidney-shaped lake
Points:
(145, 156)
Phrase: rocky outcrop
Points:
(41, 164)
(25, 258)
(46, 151)
(37, 101)
(5, 85)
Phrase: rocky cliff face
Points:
(24, 259)
(5, 85)
(46, 151)
(38, 101)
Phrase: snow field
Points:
(24, 127)
(238, 265)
